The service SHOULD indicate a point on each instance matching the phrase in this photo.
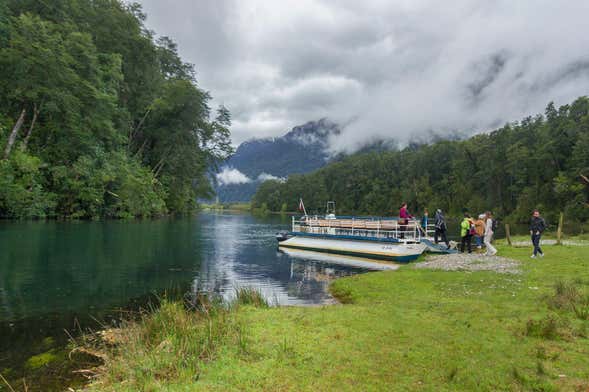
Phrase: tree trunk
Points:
(134, 132)
(559, 230)
(507, 234)
(12, 137)
(30, 130)
(586, 179)
(159, 167)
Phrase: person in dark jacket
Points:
(537, 227)
(440, 226)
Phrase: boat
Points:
(368, 237)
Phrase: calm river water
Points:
(57, 276)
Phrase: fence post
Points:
(559, 230)
(507, 234)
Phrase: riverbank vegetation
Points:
(401, 330)
(540, 162)
(98, 117)
(239, 207)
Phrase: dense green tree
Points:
(110, 120)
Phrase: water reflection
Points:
(243, 253)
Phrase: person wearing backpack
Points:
(440, 226)
(489, 231)
(466, 232)
(537, 227)
(479, 226)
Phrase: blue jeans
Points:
(536, 243)
(478, 240)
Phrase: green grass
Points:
(399, 330)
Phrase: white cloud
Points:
(265, 177)
(229, 176)
(387, 69)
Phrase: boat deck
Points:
(373, 228)
(359, 223)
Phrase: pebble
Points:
(470, 262)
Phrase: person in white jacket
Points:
(491, 251)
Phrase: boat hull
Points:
(399, 252)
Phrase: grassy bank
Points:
(402, 330)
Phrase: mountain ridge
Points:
(301, 150)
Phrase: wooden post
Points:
(507, 234)
(559, 230)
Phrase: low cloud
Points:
(265, 177)
(231, 176)
(398, 69)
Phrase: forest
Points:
(99, 117)
(539, 162)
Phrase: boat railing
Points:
(362, 227)
(430, 229)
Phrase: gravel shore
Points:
(470, 262)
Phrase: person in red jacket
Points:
(404, 217)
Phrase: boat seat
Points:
(388, 225)
(359, 224)
(373, 225)
(346, 223)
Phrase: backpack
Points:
(472, 230)
(494, 225)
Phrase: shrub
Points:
(547, 327)
(568, 296)
(21, 188)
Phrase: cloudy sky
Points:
(401, 69)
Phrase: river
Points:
(71, 276)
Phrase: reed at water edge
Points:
(172, 341)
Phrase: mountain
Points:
(301, 150)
